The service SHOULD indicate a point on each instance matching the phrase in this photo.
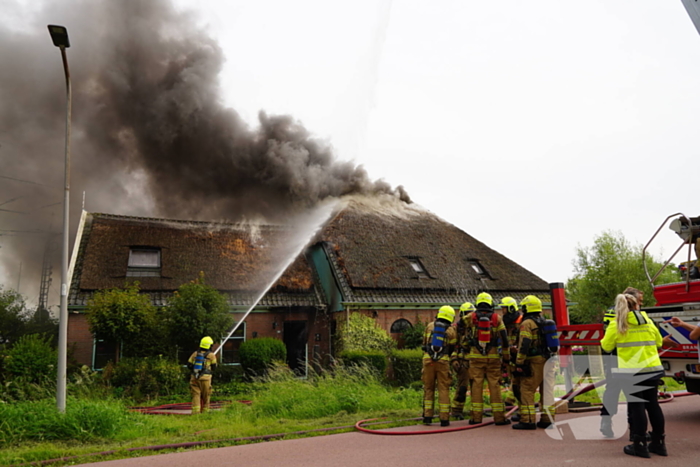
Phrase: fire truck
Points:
(681, 299)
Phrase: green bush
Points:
(258, 354)
(413, 337)
(362, 333)
(227, 373)
(407, 365)
(373, 359)
(144, 378)
(32, 359)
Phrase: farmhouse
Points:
(395, 262)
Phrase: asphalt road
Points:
(575, 442)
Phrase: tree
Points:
(125, 317)
(197, 310)
(605, 270)
(13, 316)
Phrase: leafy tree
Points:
(361, 332)
(606, 269)
(13, 316)
(197, 310)
(126, 317)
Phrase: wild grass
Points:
(281, 403)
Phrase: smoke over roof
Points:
(151, 135)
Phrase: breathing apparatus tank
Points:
(549, 333)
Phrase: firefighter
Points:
(439, 341)
(530, 367)
(484, 328)
(512, 317)
(201, 363)
(460, 363)
(637, 340)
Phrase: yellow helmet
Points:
(531, 304)
(447, 313)
(509, 302)
(465, 308)
(206, 342)
(484, 297)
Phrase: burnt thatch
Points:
(233, 257)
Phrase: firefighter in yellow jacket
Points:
(485, 328)
(512, 317)
(530, 366)
(460, 363)
(202, 363)
(439, 341)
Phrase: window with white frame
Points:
(230, 354)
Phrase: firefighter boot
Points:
(658, 444)
(427, 420)
(524, 426)
(543, 424)
(444, 423)
(606, 426)
(638, 447)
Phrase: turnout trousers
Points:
(201, 391)
(489, 369)
(436, 373)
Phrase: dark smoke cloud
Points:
(151, 135)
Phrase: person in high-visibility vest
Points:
(485, 327)
(460, 363)
(439, 341)
(637, 340)
(201, 363)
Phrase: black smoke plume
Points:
(151, 135)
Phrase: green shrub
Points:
(373, 359)
(407, 365)
(32, 359)
(413, 337)
(227, 373)
(362, 333)
(143, 378)
(258, 354)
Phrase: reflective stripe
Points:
(636, 344)
(649, 369)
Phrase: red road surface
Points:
(491, 445)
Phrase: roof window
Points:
(418, 268)
(143, 262)
(478, 269)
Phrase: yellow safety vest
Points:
(637, 349)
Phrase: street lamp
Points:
(59, 35)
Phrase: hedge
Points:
(372, 358)
(407, 365)
(258, 354)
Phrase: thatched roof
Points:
(235, 258)
(374, 246)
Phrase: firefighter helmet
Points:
(466, 308)
(509, 303)
(206, 342)
(484, 301)
(447, 313)
(531, 304)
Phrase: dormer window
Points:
(418, 268)
(143, 262)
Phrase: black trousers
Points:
(642, 400)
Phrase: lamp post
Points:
(59, 35)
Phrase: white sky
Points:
(533, 126)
